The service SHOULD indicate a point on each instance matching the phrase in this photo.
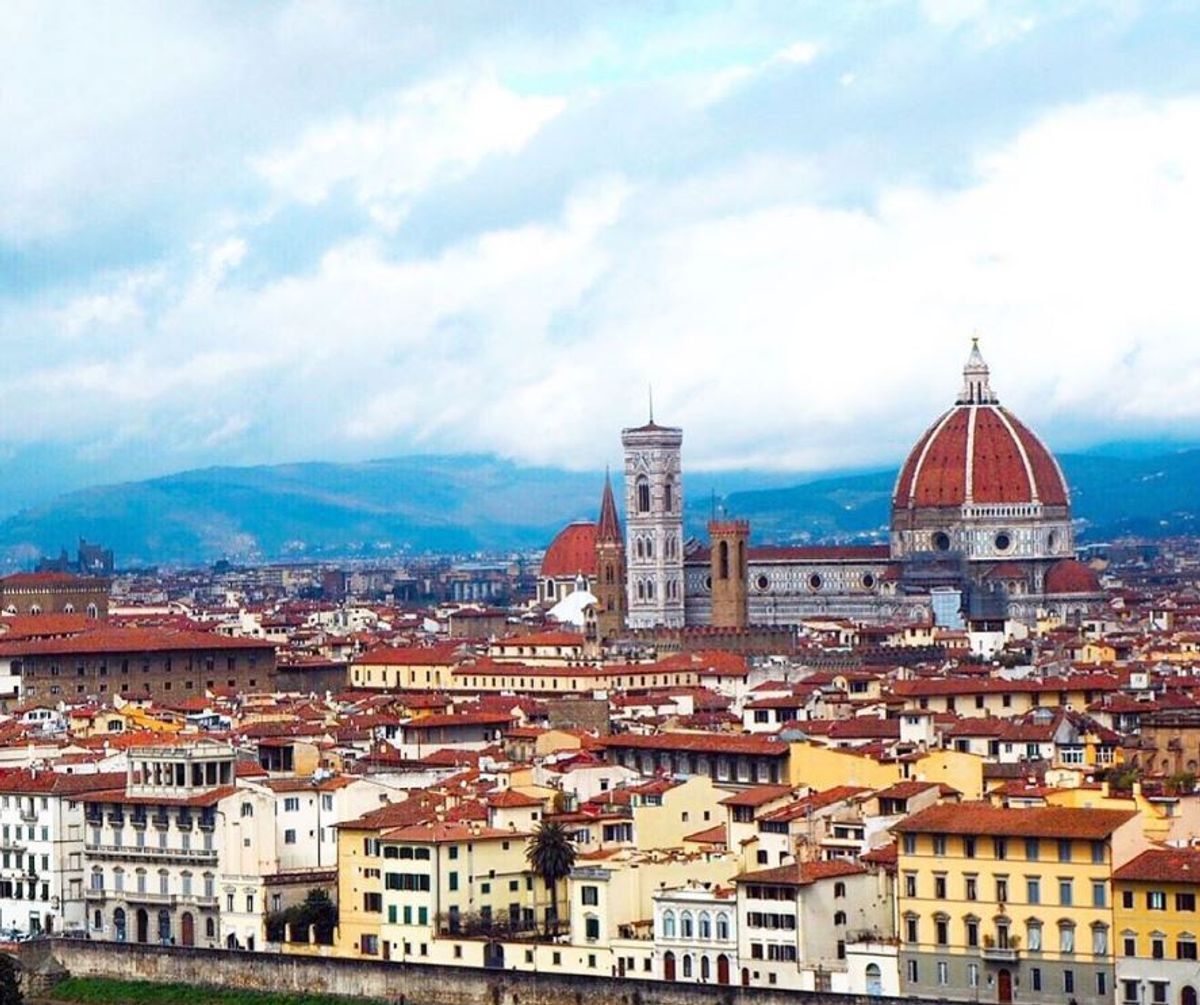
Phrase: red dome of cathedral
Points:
(978, 452)
(572, 552)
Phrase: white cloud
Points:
(778, 332)
(430, 133)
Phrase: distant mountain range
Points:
(473, 503)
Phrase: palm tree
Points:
(551, 855)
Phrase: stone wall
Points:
(401, 982)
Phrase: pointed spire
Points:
(976, 389)
(608, 530)
(650, 391)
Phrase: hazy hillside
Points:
(466, 503)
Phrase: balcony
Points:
(138, 819)
(184, 821)
(94, 896)
(1003, 950)
(29, 814)
(146, 897)
(161, 820)
(152, 854)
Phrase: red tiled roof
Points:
(1162, 865)
(1039, 821)
(108, 639)
(705, 743)
(49, 579)
(445, 654)
(802, 873)
(1070, 576)
(757, 795)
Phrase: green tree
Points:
(10, 989)
(317, 911)
(551, 855)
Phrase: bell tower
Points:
(654, 525)
(609, 586)
(729, 540)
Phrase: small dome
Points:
(572, 552)
(1070, 576)
(571, 610)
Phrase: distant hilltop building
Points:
(980, 531)
(90, 560)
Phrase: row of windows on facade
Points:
(1159, 993)
(139, 840)
(121, 925)
(1036, 981)
(141, 880)
(1003, 937)
(1002, 847)
(101, 668)
(696, 926)
(92, 610)
(1033, 889)
(166, 685)
(645, 589)
(643, 547)
(16, 860)
(369, 946)
(184, 818)
(720, 767)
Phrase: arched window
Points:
(705, 972)
(839, 918)
(641, 590)
(723, 926)
(210, 928)
(649, 547)
(643, 494)
(35, 608)
(839, 889)
(637, 547)
(668, 496)
(686, 928)
(687, 965)
(723, 560)
(118, 879)
(68, 608)
(705, 925)
(93, 611)
(668, 924)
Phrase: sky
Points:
(239, 233)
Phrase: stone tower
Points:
(654, 525)
(730, 603)
(609, 586)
